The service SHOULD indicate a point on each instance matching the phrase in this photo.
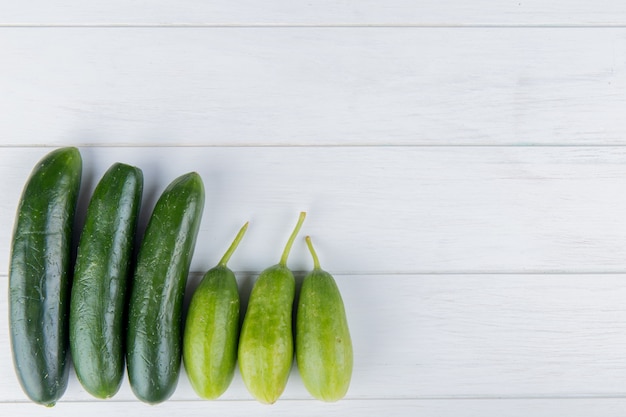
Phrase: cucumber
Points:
(98, 301)
(323, 343)
(156, 299)
(212, 329)
(266, 339)
(39, 275)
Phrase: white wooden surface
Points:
(313, 86)
(463, 165)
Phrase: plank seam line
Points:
(312, 26)
(575, 397)
(424, 274)
(311, 145)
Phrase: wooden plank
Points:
(313, 86)
(384, 209)
(612, 407)
(323, 12)
(453, 336)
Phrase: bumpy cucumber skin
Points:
(266, 339)
(97, 307)
(323, 343)
(212, 333)
(39, 276)
(155, 312)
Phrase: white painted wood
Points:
(453, 336)
(403, 408)
(323, 12)
(379, 210)
(313, 86)
(481, 277)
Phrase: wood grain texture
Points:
(323, 12)
(384, 209)
(585, 407)
(313, 86)
(463, 165)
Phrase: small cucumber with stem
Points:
(212, 329)
(40, 274)
(323, 343)
(266, 340)
(98, 300)
(154, 333)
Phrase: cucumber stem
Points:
(233, 245)
(316, 261)
(283, 259)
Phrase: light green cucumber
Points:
(266, 340)
(323, 343)
(212, 329)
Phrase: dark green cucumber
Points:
(156, 300)
(266, 339)
(323, 343)
(212, 329)
(39, 276)
(98, 302)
